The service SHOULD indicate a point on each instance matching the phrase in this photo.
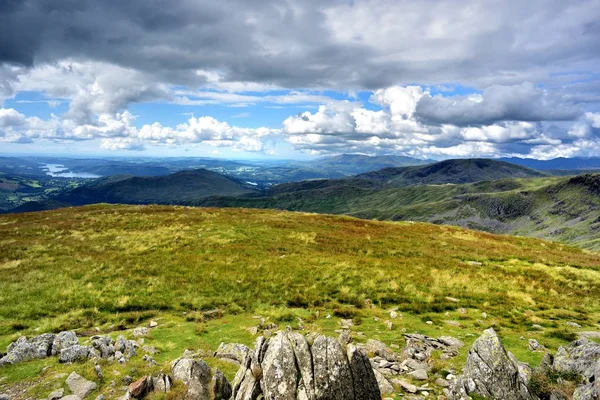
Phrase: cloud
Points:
(522, 102)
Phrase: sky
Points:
(278, 79)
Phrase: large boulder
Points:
(80, 386)
(24, 350)
(288, 367)
(579, 358)
(280, 375)
(491, 372)
(201, 382)
(64, 340)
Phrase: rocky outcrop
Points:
(582, 359)
(491, 372)
(76, 353)
(64, 340)
(201, 382)
(287, 366)
(25, 350)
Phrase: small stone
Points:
(389, 325)
(127, 380)
(452, 299)
(98, 371)
(442, 382)
(573, 325)
(536, 326)
(153, 324)
(534, 345)
(484, 315)
(393, 314)
(419, 374)
(141, 331)
(57, 394)
(429, 322)
(80, 386)
(407, 387)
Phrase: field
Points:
(206, 275)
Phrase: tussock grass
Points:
(205, 274)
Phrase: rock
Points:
(162, 383)
(333, 378)
(232, 352)
(365, 383)
(280, 374)
(64, 340)
(419, 374)
(589, 335)
(388, 324)
(76, 353)
(573, 325)
(201, 383)
(407, 387)
(121, 344)
(25, 350)
(442, 382)
(71, 397)
(220, 387)
(100, 397)
(98, 371)
(393, 314)
(421, 347)
(534, 345)
(104, 345)
(484, 315)
(380, 349)
(491, 372)
(385, 387)
(577, 358)
(452, 299)
(141, 387)
(80, 386)
(153, 324)
(57, 394)
(537, 326)
(304, 362)
(141, 331)
(4, 397)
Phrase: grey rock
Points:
(100, 397)
(442, 382)
(80, 386)
(333, 378)
(232, 351)
(279, 372)
(71, 397)
(407, 387)
(104, 345)
(162, 383)
(534, 345)
(220, 387)
(121, 344)
(385, 387)
(57, 394)
(141, 331)
(365, 382)
(419, 374)
(4, 397)
(380, 349)
(24, 350)
(76, 353)
(491, 372)
(579, 357)
(573, 325)
(98, 371)
(304, 362)
(63, 340)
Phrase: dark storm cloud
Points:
(307, 43)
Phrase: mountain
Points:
(451, 171)
(576, 163)
(353, 164)
(177, 188)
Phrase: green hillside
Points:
(206, 275)
(177, 188)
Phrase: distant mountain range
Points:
(577, 163)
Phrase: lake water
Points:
(60, 171)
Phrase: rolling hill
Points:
(207, 276)
(451, 171)
(176, 188)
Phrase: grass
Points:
(117, 267)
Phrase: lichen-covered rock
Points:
(162, 383)
(104, 345)
(380, 349)
(279, 372)
(385, 387)
(220, 387)
(491, 372)
(235, 352)
(364, 380)
(24, 350)
(64, 340)
(333, 378)
(303, 355)
(76, 353)
(201, 383)
(80, 386)
(579, 358)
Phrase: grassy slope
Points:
(117, 266)
(558, 208)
